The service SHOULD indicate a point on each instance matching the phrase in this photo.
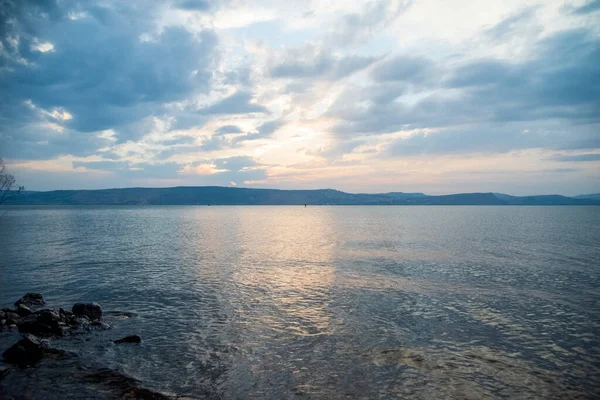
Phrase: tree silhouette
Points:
(8, 185)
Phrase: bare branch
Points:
(8, 187)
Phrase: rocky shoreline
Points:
(39, 328)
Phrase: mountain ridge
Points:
(221, 195)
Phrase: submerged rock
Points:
(100, 325)
(92, 310)
(122, 385)
(31, 299)
(129, 339)
(26, 351)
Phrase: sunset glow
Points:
(370, 96)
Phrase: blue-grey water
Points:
(319, 302)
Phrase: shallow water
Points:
(321, 302)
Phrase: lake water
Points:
(320, 302)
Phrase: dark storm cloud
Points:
(100, 70)
(560, 81)
(237, 103)
(576, 158)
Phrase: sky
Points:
(430, 96)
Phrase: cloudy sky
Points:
(433, 96)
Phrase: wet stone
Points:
(66, 314)
(92, 310)
(22, 310)
(12, 318)
(100, 325)
(3, 372)
(49, 317)
(129, 339)
(26, 351)
(31, 299)
(37, 328)
(44, 323)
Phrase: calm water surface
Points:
(321, 302)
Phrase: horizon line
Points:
(317, 189)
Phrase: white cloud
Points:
(321, 93)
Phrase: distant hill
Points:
(217, 195)
(594, 196)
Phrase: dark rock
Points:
(31, 299)
(81, 321)
(66, 314)
(129, 339)
(23, 310)
(38, 328)
(49, 317)
(44, 323)
(123, 386)
(12, 318)
(91, 310)
(30, 318)
(26, 351)
(100, 325)
(3, 372)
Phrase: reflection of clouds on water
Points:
(297, 299)
(284, 284)
(328, 302)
